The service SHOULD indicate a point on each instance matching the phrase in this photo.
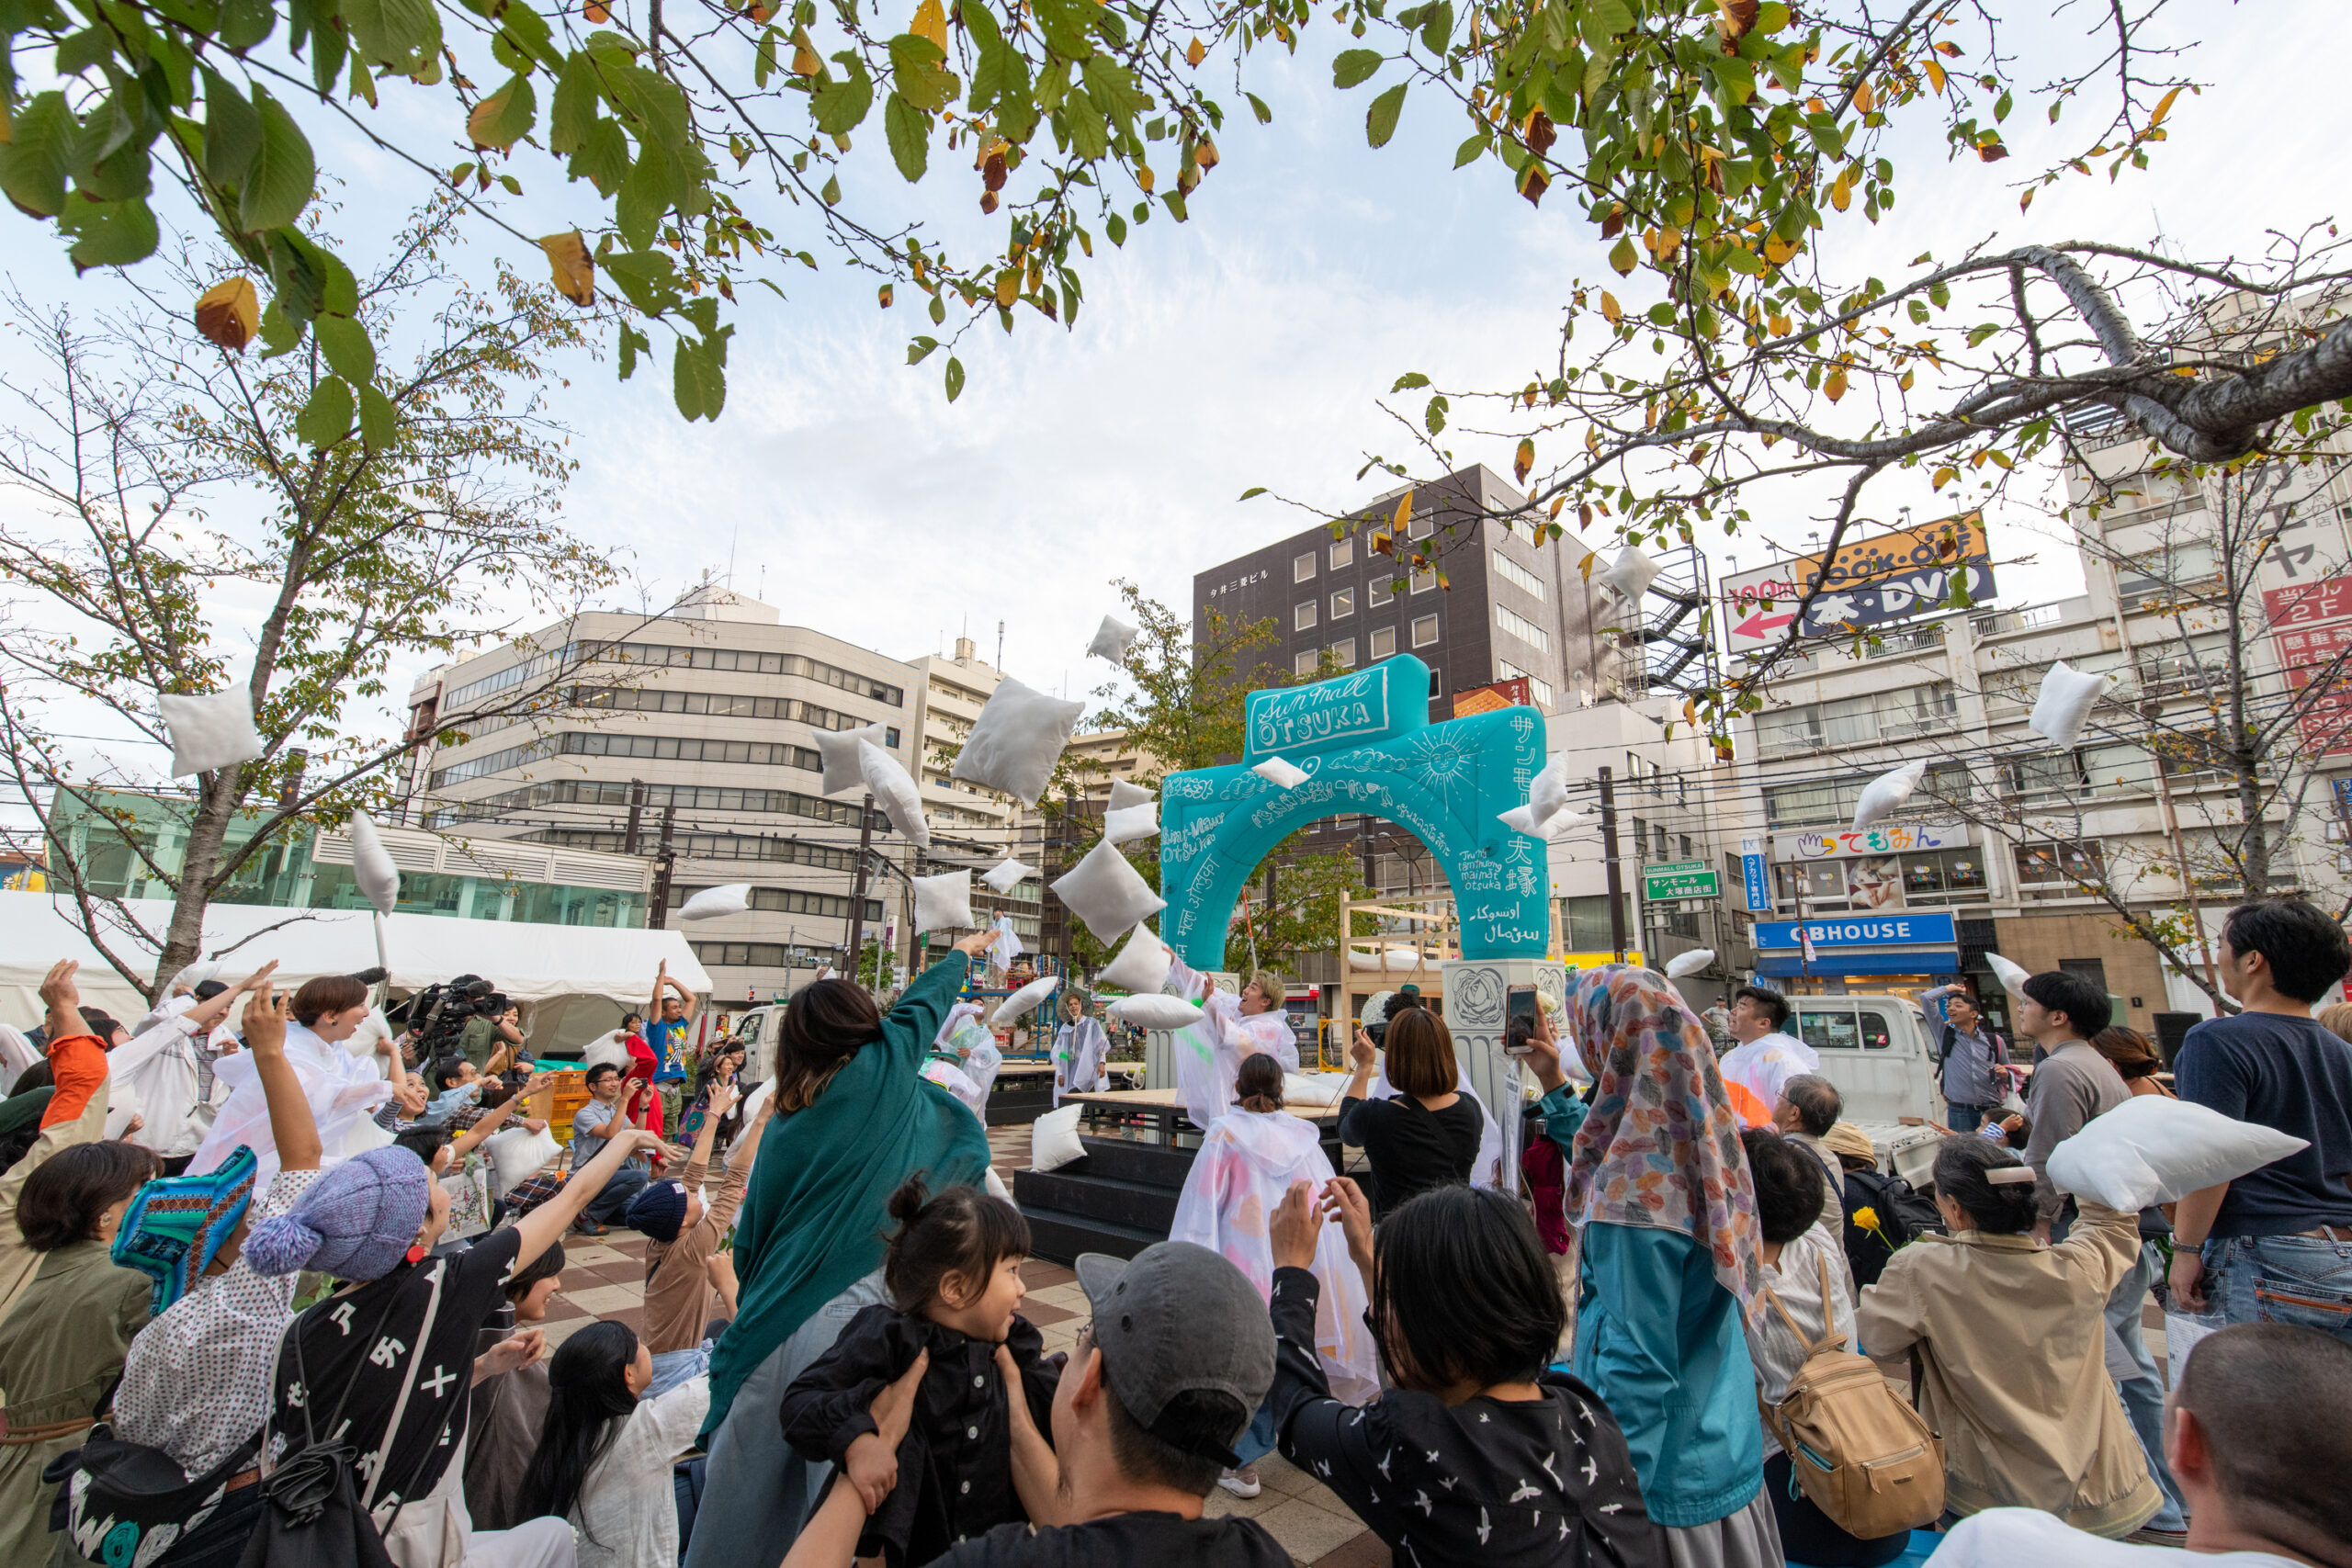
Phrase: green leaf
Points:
(108, 234)
(909, 132)
(831, 194)
(1116, 227)
(278, 183)
(378, 420)
(632, 343)
(698, 375)
(1111, 86)
(1354, 66)
(1068, 27)
(1409, 380)
(842, 106)
(603, 160)
(280, 333)
(326, 418)
(647, 279)
(1380, 122)
(1434, 417)
(1474, 148)
(244, 23)
(572, 112)
(921, 349)
(345, 343)
(916, 66)
(33, 163)
(80, 51)
(231, 130)
(1437, 27)
(954, 377)
(1253, 489)
(504, 117)
(1258, 106)
(646, 195)
(402, 34)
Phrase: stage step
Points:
(1081, 1193)
(1127, 1159)
(1059, 1238)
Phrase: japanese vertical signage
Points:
(1756, 877)
(2311, 630)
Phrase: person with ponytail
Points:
(854, 1118)
(605, 1449)
(2011, 1339)
(1247, 1160)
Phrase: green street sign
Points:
(1680, 879)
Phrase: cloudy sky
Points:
(1250, 347)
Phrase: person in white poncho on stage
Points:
(1209, 1053)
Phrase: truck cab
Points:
(759, 1030)
(1879, 1051)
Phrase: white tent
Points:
(531, 963)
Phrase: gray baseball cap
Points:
(1174, 1318)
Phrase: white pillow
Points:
(1156, 1012)
(1300, 1090)
(2063, 705)
(1107, 893)
(210, 732)
(759, 1096)
(944, 902)
(1123, 795)
(993, 1185)
(1142, 964)
(516, 1153)
(604, 1049)
(1522, 818)
(895, 791)
(1689, 963)
(2152, 1149)
(1005, 876)
(1132, 822)
(371, 864)
(1053, 1139)
(1884, 792)
(1111, 639)
(1389, 958)
(729, 899)
(1547, 792)
(843, 772)
(2012, 977)
(1629, 575)
(1280, 773)
(1014, 742)
(1024, 1001)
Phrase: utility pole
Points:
(857, 888)
(636, 814)
(661, 912)
(1616, 873)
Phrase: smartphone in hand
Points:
(1519, 1019)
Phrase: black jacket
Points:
(955, 1464)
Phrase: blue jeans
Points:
(608, 1206)
(672, 1368)
(2282, 1279)
(2144, 1394)
(1258, 1442)
(768, 1488)
(1968, 1118)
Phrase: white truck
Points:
(1880, 1052)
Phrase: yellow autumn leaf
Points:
(1863, 98)
(1841, 194)
(1779, 323)
(1194, 54)
(1008, 287)
(574, 268)
(1943, 477)
(2164, 107)
(229, 313)
(931, 22)
(1834, 387)
(1935, 75)
(1403, 514)
(805, 59)
(1778, 250)
(1610, 308)
(1145, 177)
(1584, 567)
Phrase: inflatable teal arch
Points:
(1367, 746)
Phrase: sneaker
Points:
(1242, 1482)
(587, 1226)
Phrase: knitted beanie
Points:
(355, 1222)
(659, 1211)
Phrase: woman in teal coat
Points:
(855, 1117)
(1658, 1184)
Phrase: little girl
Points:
(605, 1450)
(953, 1273)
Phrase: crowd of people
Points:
(1719, 1334)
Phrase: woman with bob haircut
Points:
(1479, 1452)
(854, 1118)
(2011, 1336)
(1429, 1133)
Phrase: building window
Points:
(1304, 664)
(1518, 576)
(1424, 581)
(1419, 527)
(1343, 554)
(1303, 618)
(1425, 631)
(1344, 652)
(1343, 603)
(2064, 865)
(1303, 567)
(1436, 683)
(1384, 642)
(1380, 589)
(1527, 631)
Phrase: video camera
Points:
(437, 1015)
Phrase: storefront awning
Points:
(1942, 960)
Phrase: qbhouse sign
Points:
(1367, 746)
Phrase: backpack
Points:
(1865, 1457)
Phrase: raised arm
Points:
(660, 984)
(722, 1099)
(911, 1027)
(687, 1000)
(495, 1118)
(545, 1225)
(291, 1126)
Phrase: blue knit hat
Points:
(176, 1224)
(355, 1222)
(659, 1211)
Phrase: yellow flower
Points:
(1866, 1218)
